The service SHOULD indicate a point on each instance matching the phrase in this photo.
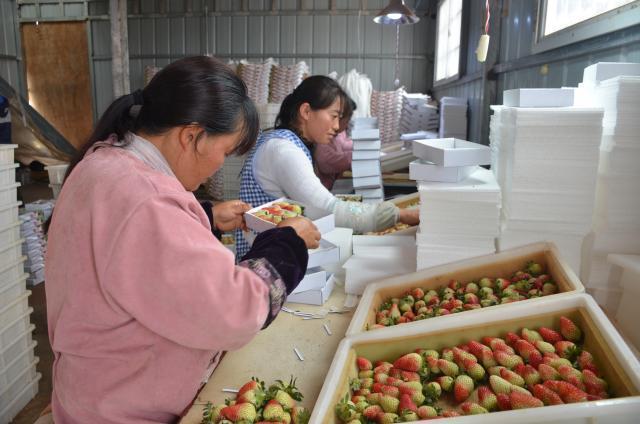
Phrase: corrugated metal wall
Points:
(518, 68)
(337, 39)
(9, 44)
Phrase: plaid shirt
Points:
(250, 190)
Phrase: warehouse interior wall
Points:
(513, 24)
(10, 44)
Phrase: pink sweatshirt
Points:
(140, 294)
(333, 159)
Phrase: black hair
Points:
(319, 91)
(348, 106)
(195, 90)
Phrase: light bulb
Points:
(394, 16)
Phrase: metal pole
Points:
(119, 47)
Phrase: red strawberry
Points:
(548, 372)
(476, 348)
(487, 398)
(448, 368)
(522, 401)
(531, 375)
(402, 320)
(546, 395)
(363, 364)
(462, 388)
(474, 369)
(409, 362)
(390, 391)
(586, 362)
(460, 355)
(379, 378)
(450, 413)
(531, 335)
(409, 387)
(426, 412)
(549, 335)
(512, 377)
(445, 382)
(504, 403)
(383, 367)
(511, 338)
(240, 412)
(389, 404)
(387, 418)
(507, 360)
(544, 347)
(371, 412)
(487, 359)
(251, 385)
(362, 392)
(406, 404)
(570, 330)
(365, 374)
(392, 381)
(447, 354)
(566, 349)
(568, 392)
(571, 375)
(417, 293)
(498, 345)
(500, 385)
(528, 352)
(594, 385)
(470, 408)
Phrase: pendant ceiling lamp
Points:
(396, 13)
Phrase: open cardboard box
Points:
(324, 220)
(452, 152)
(614, 359)
(502, 264)
(327, 254)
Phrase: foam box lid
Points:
(421, 170)
(327, 253)
(314, 278)
(538, 97)
(452, 152)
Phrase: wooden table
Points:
(270, 356)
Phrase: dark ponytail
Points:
(319, 91)
(199, 89)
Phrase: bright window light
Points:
(561, 14)
(448, 39)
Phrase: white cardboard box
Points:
(314, 279)
(421, 170)
(370, 192)
(365, 134)
(605, 70)
(629, 281)
(360, 271)
(327, 254)
(363, 123)
(365, 154)
(324, 220)
(365, 168)
(316, 296)
(538, 97)
(366, 145)
(367, 182)
(452, 152)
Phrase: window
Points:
(448, 30)
(562, 22)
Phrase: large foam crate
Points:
(10, 291)
(502, 264)
(10, 253)
(9, 213)
(618, 364)
(9, 233)
(16, 366)
(20, 401)
(16, 338)
(6, 153)
(11, 313)
(11, 391)
(12, 270)
(9, 193)
(8, 174)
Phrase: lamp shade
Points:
(396, 13)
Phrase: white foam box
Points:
(627, 313)
(13, 270)
(605, 70)
(367, 182)
(314, 278)
(362, 271)
(9, 233)
(538, 97)
(366, 145)
(365, 154)
(9, 314)
(502, 264)
(11, 391)
(8, 174)
(20, 401)
(324, 220)
(452, 152)
(365, 134)
(7, 153)
(10, 291)
(363, 123)
(10, 253)
(326, 254)
(365, 168)
(420, 170)
(370, 192)
(314, 297)
(9, 193)
(614, 358)
(18, 364)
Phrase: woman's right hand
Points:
(305, 229)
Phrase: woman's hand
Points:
(409, 216)
(228, 216)
(305, 229)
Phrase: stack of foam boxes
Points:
(365, 159)
(18, 377)
(34, 246)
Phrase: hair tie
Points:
(138, 98)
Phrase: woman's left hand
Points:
(409, 216)
(228, 216)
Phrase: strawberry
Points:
(504, 402)
(548, 372)
(531, 375)
(507, 360)
(454, 285)
(255, 397)
(557, 363)
(487, 398)
(300, 415)
(549, 288)
(567, 349)
(521, 401)
(406, 404)
(497, 344)
(389, 404)
(475, 348)
(448, 368)
(432, 391)
(594, 385)
(471, 299)
(392, 381)
(357, 399)
(470, 408)
(374, 398)
(445, 382)
(474, 369)
(367, 383)
(407, 417)
(426, 412)
(450, 413)
(447, 354)
(544, 347)
(382, 368)
(568, 392)
(502, 283)
(520, 389)
(378, 378)
(394, 312)
(512, 377)
(549, 335)
(534, 268)
(417, 397)
(402, 320)
(571, 375)
(511, 338)
(387, 418)
(363, 364)
(410, 386)
(365, 374)
(409, 362)
(460, 355)
(239, 411)
(546, 395)
(487, 359)
(462, 388)
(499, 385)
(371, 412)
(251, 385)
(362, 392)
(417, 293)
(495, 370)
(409, 315)
(528, 352)
(570, 330)
(531, 335)
(586, 362)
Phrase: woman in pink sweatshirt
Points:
(141, 296)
